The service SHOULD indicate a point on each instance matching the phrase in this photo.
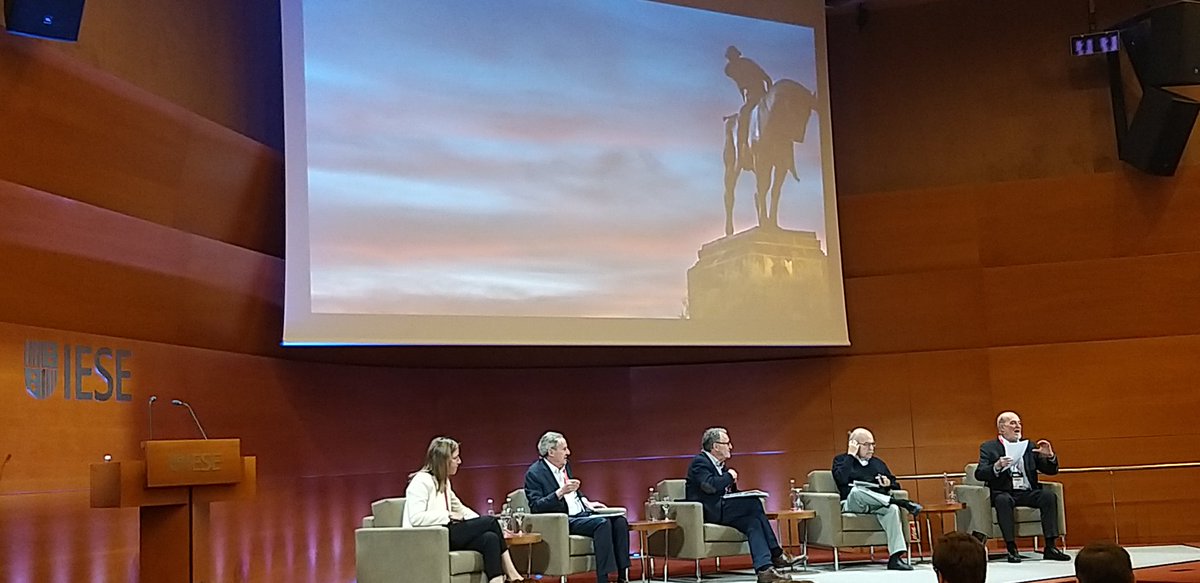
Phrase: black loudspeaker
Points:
(1163, 48)
(49, 19)
(1159, 132)
(1164, 44)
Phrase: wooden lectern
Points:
(172, 489)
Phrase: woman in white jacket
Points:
(430, 501)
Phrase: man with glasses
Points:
(1009, 465)
(865, 483)
(709, 480)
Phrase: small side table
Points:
(785, 519)
(645, 528)
(519, 539)
(941, 509)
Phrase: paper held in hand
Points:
(1015, 450)
(747, 494)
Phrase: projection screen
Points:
(559, 172)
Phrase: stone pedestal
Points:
(760, 274)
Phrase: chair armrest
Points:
(977, 514)
(1057, 488)
(390, 554)
(690, 517)
(826, 528)
(368, 521)
(556, 542)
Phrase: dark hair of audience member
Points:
(960, 558)
(1103, 563)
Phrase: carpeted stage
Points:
(1154, 564)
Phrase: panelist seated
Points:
(1009, 465)
(864, 483)
(709, 480)
(550, 486)
(430, 501)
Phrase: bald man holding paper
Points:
(1009, 465)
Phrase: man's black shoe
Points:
(1053, 554)
(1013, 556)
(770, 575)
(784, 561)
(912, 507)
(979, 536)
(896, 563)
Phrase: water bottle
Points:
(506, 516)
(652, 506)
(797, 503)
(948, 487)
(491, 511)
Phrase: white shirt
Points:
(575, 504)
(716, 462)
(425, 506)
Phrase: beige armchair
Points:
(835, 529)
(979, 516)
(694, 539)
(560, 553)
(387, 553)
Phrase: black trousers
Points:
(749, 518)
(483, 535)
(610, 540)
(1044, 500)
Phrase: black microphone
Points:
(150, 411)
(179, 403)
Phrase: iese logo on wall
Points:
(42, 369)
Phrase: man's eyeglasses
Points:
(729, 443)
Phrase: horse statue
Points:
(780, 120)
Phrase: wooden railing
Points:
(1110, 470)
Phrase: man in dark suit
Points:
(1014, 482)
(708, 480)
(550, 487)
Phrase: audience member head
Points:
(1008, 424)
(866, 442)
(441, 460)
(1103, 563)
(959, 558)
(553, 448)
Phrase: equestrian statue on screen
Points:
(778, 113)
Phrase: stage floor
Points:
(999, 571)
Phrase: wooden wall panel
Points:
(78, 267)
(219, 58)
(1086, 217)
(1107, 390)
(903, 232)
(915, 312)
(956, 107)
(78, 133)
(1093, 300)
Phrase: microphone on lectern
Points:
(179, 403)
(150, 411)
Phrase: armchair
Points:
(385, 552)
(835, 529)
(979, 516)
(694, 539)
(560, 553)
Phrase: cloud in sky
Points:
(549, 157)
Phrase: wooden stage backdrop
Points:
(996, 256)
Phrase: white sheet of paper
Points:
(747, 494)
(1016, 450)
